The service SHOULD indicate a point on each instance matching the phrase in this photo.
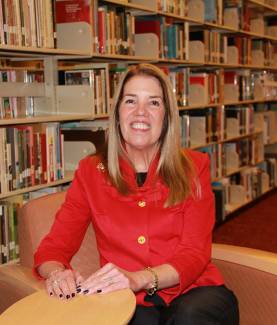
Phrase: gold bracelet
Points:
(155, 283)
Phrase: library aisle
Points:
(255, 226)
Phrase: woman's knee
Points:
(207, 305)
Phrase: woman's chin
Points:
(143, 147)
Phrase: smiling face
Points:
(141, 114)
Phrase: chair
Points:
(34, 221)
(250, 273)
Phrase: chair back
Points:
(35, 220)
(255, 289)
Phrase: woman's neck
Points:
(141, 159)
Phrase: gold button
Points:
(142, 204)
(141, 240)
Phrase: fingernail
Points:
(73, 295)
(79, 290)
(51, 293)
(85, 292)
(67, 296)
(99, 291)
(60, 295)
(78, 286)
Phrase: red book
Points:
(43, 157)
(211, 88)
(148, 26)
(200, 79)
(71, 11)
(246, 17)
(101, 30)
(230, 77)
(238, 43)
(36, 158)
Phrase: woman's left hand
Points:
(107, 279)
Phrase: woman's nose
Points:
(141, 109)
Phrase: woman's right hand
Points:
(63, 283)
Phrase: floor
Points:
(255, 226)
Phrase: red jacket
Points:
(135, 231)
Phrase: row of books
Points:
(243, 187)
(176, 7)
(263, 53)
(199, 127)
(192, 87)
(97, 80)
(9, 214)
(21, 76)
(239, 120)
(34, 22)
(115, 30)
(199, 87)
(240, 15)
(27, 23)
(266, 121)
(9, 248)
(30, 155)
(203, 126)
(208, 10)
(13, 107)
(219, 11)
(229, 157)
(115, 74)
(239, 49)
(233, 49)
(211, 47)
(173, 36)
(242, 85)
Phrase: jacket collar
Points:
(129, 173)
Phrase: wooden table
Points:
(114, 308)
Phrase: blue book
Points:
(211, 10)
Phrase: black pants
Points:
(210, 305)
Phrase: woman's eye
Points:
(155, 103)
(129, 101)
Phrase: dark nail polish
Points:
(67, 296)
(79, 290)
(60, 295)
(78, 286)
(51, 293)
(85, 292)
(99, 291)
(73, 295)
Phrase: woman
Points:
(154, 235)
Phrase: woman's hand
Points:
(63, 283)
(110, 278)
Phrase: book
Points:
(151, 25)
(70, 11)
(211, 7)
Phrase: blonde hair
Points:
(174, 167)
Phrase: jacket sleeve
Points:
(69, 227)
(193, 252)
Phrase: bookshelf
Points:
(222, 63)
(66, 179)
